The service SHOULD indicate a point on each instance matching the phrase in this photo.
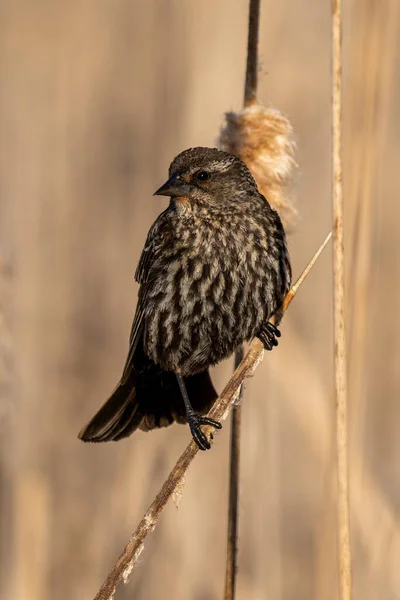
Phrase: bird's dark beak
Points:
(173, 187)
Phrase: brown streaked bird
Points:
(214, 269)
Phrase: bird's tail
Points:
(117, 418)
(148, 398)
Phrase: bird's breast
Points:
(201, 309)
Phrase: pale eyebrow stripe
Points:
(216, 166)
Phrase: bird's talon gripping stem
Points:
(268, 335)
(195, 421)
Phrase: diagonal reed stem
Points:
(173, 483)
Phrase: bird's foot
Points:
(195, 421)
(268, 335)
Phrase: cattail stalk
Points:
(233, 508)
(250, 93)
(263, 139)
(250, 88)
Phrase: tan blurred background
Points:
(96, 98)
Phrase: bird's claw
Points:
(268, 335)
(195, 421)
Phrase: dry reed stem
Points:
(220, 411)
(263, 139)
(345, 585)
(234, 464)
(250, 88)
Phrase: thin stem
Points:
(250, 93)
(339, 312)
(234, 470)
(250, 89)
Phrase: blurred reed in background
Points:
(96, 100)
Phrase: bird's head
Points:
(208, 176)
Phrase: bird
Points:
(214, 269)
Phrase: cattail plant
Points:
(263, 139)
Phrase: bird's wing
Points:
(142, 276)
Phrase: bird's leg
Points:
(268, 335)
(195, 420)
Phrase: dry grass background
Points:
(96, 99)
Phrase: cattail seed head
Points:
(263, 139)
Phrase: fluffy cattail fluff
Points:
(263, 139)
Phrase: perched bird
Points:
(214, 269)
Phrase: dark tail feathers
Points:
(148, 399)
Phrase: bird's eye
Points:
(202, 175)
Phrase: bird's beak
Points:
(173, 187)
